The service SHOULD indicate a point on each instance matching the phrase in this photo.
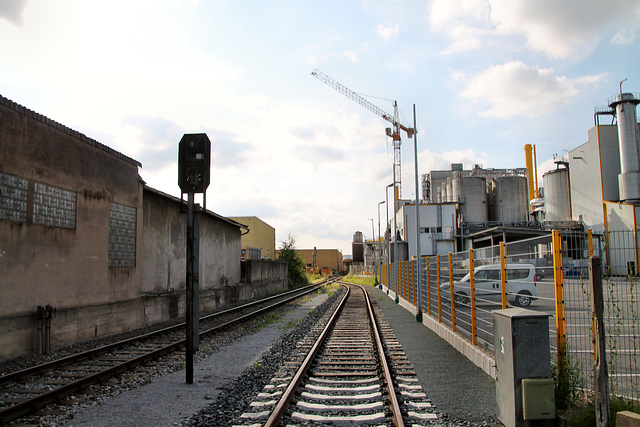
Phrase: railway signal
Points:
(194, 162)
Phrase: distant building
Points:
(324, 258)
(357, 248)
(261, 236)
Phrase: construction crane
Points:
(394, 132)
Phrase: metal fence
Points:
(461, 290)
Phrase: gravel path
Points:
(168, 399)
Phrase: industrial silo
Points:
(511, 200)
(557, 200)
(629, 140)
(472, 191)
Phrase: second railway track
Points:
(351, 371)
(26, 390)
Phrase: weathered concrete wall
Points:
(49, 264)
(164, 249)
(260, 272)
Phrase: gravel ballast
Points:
(227, 377)
(168, 400)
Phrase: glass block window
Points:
(122, 236)
(13, 197)
(54, 206)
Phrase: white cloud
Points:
(387, 30)
(624, 36)
(516, 89)
(556, 29)
(12, 10)
(351, 55)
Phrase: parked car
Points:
(521, 284)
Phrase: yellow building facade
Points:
(261, 235)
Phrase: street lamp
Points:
(386, 195)
(373, 233)
(379, 244)
(418, 254)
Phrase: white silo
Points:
(557, 200)
(629, 142)
(472, 191)
(511, 199)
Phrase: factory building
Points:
(604, 179)
(260, 238)
(88, 250)
(597, 188)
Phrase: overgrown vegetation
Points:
(569, 385)
(576, 406)
(360, 280)
(584, 415)
(288, 253)
(314, 277)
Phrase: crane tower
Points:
(394, 132)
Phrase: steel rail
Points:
(284, 402)
(43, 367)
(388, 377)
(30, 405)
(287, 396)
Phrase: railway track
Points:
(22, 392)
(350, 371)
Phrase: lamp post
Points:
(418, 254)
(373, 233)
(379, 244)
(386, 195)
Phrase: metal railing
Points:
(459, 292)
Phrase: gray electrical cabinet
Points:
(524, 385)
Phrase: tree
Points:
(289, 254)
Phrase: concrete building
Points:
(70, 231)
(261, 235)
(438, 228)
(80, 232)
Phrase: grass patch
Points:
(314, 278)
(330, 289)
(360, 280)
(267, 320)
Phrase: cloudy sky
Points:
(486, 76)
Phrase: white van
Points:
(521, 284)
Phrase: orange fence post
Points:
(428, 287)
(439, 299)
(472, 296)
(412, 293)
(593, 316)
(558, 279)
(503, 274)
(453, 305)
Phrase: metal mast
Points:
(394, 132)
